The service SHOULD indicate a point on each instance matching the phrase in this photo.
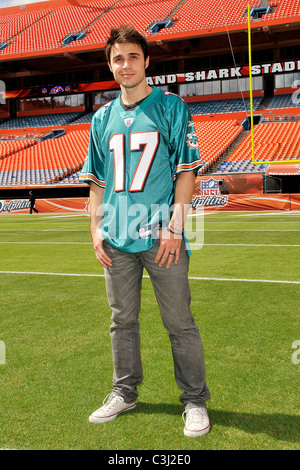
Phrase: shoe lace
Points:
(111, 399)
(193, 414)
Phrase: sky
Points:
(13, 3)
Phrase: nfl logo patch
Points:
(128, 121)
(209, 187)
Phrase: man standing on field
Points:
(141, 161)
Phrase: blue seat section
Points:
(45, 120)
(240, 167)
(284, 101)
(86, 119)
(223, 106)
(21, 177)
(70, 179)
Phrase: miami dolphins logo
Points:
(192, 140)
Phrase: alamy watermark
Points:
(137, 221)
(296, 354)
(2, 92)
(296, 94)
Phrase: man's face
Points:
(127, 64)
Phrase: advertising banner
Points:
(295, 202)
(206, 202)
(242, 202)
(238, 192)
(235, 183)
(22, 206)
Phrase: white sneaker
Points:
(113, 405)
(196, 421)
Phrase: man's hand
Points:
(101, 256)
(96, 197)
(169, 249)
(170, 242)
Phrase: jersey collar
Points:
(145, 103)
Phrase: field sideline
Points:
(245, 281)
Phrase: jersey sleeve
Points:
(93, 169)
(184, 142)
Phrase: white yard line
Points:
(222, 279)
(47, 243)
(242, 244)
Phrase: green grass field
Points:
(245, 284)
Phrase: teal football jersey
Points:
(135, 156)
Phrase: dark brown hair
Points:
(126, 33)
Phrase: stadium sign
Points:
(208, 201)
(157, 80)
(210, 196)
(16, 205)
(229, 72)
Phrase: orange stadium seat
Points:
(9, 147)
(284, 8)
(48, 29)
(143, 13)
(272, 142)
(199, 14)
(47, 161)
(214, 138)
(11, 25)
(49, 32)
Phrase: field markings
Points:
(242, 244)
(47, 243)
(196, 278)
(251, 230)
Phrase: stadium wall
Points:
(200, 203)
(41, 112)
(44, 130)
(246, 202)
(236, 183)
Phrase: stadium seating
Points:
(200, 14)
(283, 101)
(272, 142)
(143, 13)
(9, 147)
(86, 119)
(240, 167)
(223, 106)
(50, 28)
(51, 161)
(45, 162)
(70, 179)
(284, 8)
(45, 120)
(214, 138)
(50, 31)
(12, 25)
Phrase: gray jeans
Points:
(171, 287)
